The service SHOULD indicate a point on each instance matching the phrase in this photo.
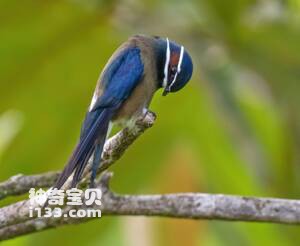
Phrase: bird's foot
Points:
(148, 113)
(147, 118)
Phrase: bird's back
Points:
(142, 94)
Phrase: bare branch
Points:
(20, 184)
(184, 205)
(15, 220)
(113, 150)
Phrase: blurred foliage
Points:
(234, 129)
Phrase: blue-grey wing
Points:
(118, 81)
(121, 77)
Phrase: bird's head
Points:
(174, 65)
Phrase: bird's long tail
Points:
(98, 122)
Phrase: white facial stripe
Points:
(168, 53)
(173, 80)
(178, 66)
(180, 59)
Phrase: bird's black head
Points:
(174, 65)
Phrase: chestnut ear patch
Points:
(174, 59)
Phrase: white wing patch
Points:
(94, 99)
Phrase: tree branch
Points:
(183, 205)
(113, 150)
(15, 220)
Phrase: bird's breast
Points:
(134, 105)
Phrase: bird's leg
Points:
(146, 111)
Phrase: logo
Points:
(56, 199)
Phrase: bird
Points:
(136, 70)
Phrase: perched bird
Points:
(137, 69)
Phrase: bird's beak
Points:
(166, 91)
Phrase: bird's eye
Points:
(173, 69)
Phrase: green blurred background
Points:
(235, 129)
